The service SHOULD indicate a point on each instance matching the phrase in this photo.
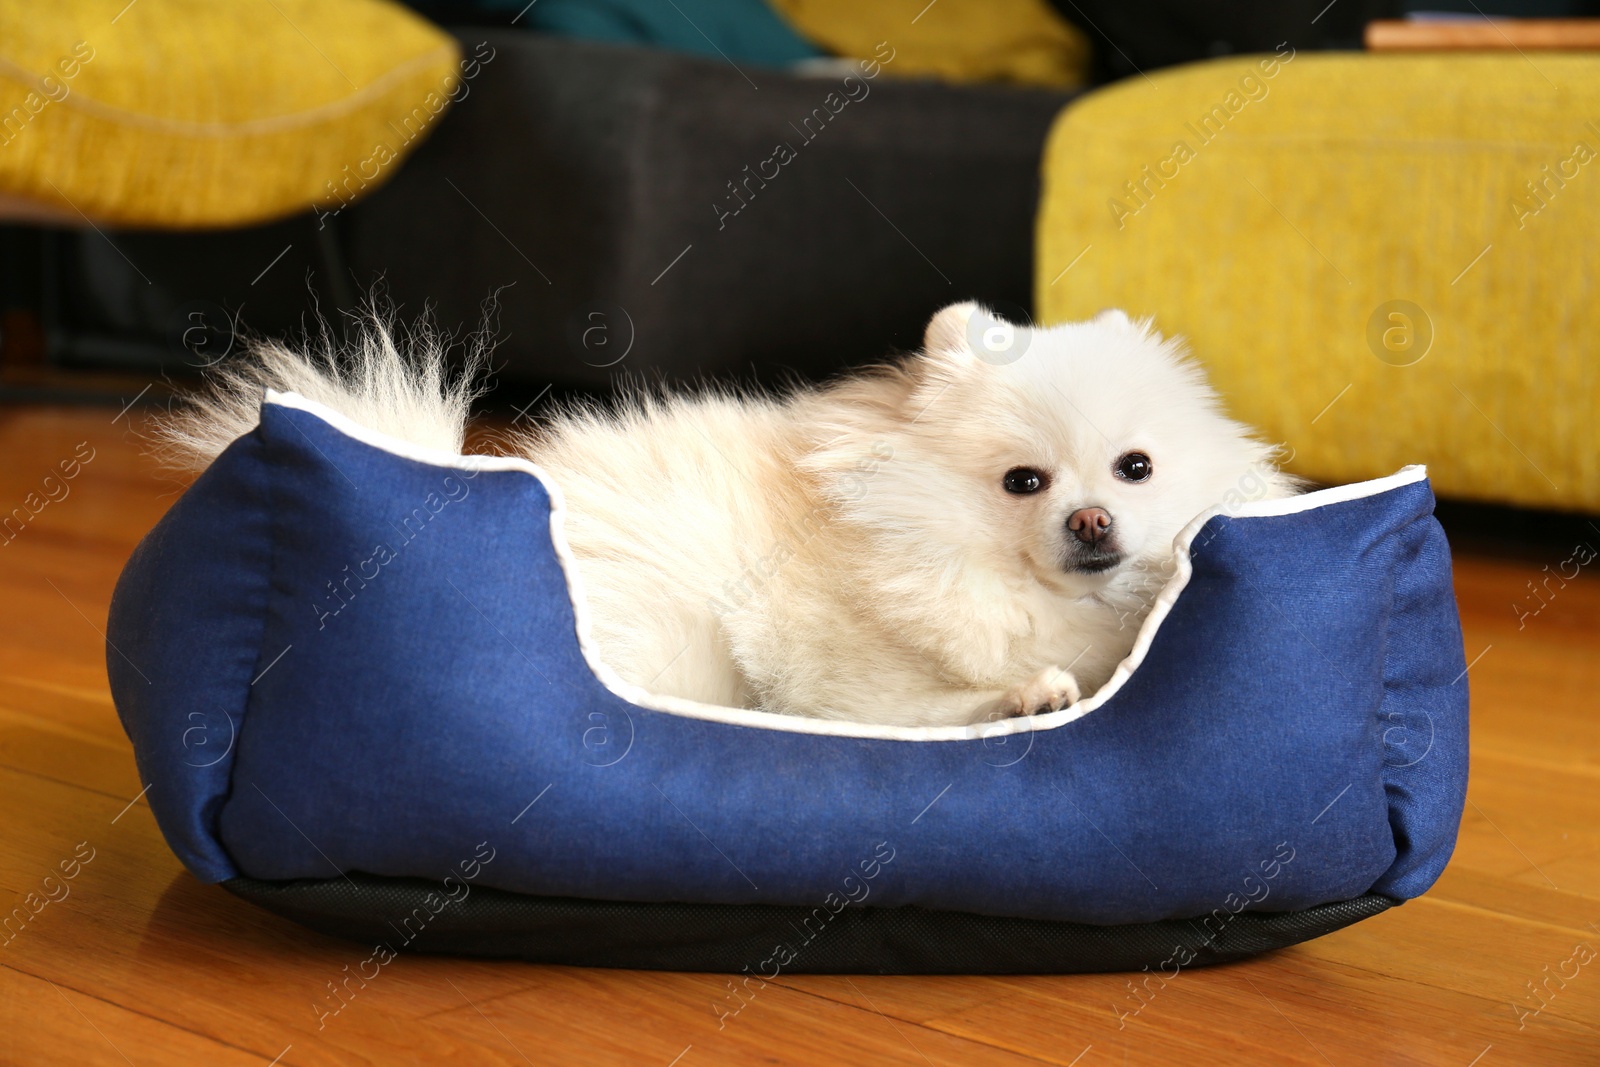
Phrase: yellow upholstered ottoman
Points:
(186, 113)
(1380, 259)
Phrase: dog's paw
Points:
(1050, 690)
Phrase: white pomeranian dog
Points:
(973, 533)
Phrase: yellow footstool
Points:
(191, 113)
(1380, 259)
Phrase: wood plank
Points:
(48, 1022)
(665, 1013)
(136, 930)
(1289, 1008)
(1522, 818)
(1482, 35)
(1539, 903)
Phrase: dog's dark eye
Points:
(1024, 480)
(1134, 467)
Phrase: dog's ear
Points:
(963, 337)
(1117, 318)
(947, 331)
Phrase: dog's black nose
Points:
(1089, 525)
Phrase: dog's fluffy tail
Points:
(405, 390)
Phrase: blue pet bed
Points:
(357, 682)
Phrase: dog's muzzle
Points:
(1091, 545)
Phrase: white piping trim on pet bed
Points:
(767, 720)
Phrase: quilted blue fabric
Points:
(332, 658)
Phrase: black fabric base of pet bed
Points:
(404, 914)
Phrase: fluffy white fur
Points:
(850, 552)
(372, 380)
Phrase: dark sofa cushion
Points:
(593, 187)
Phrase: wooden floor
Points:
(139, 963)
